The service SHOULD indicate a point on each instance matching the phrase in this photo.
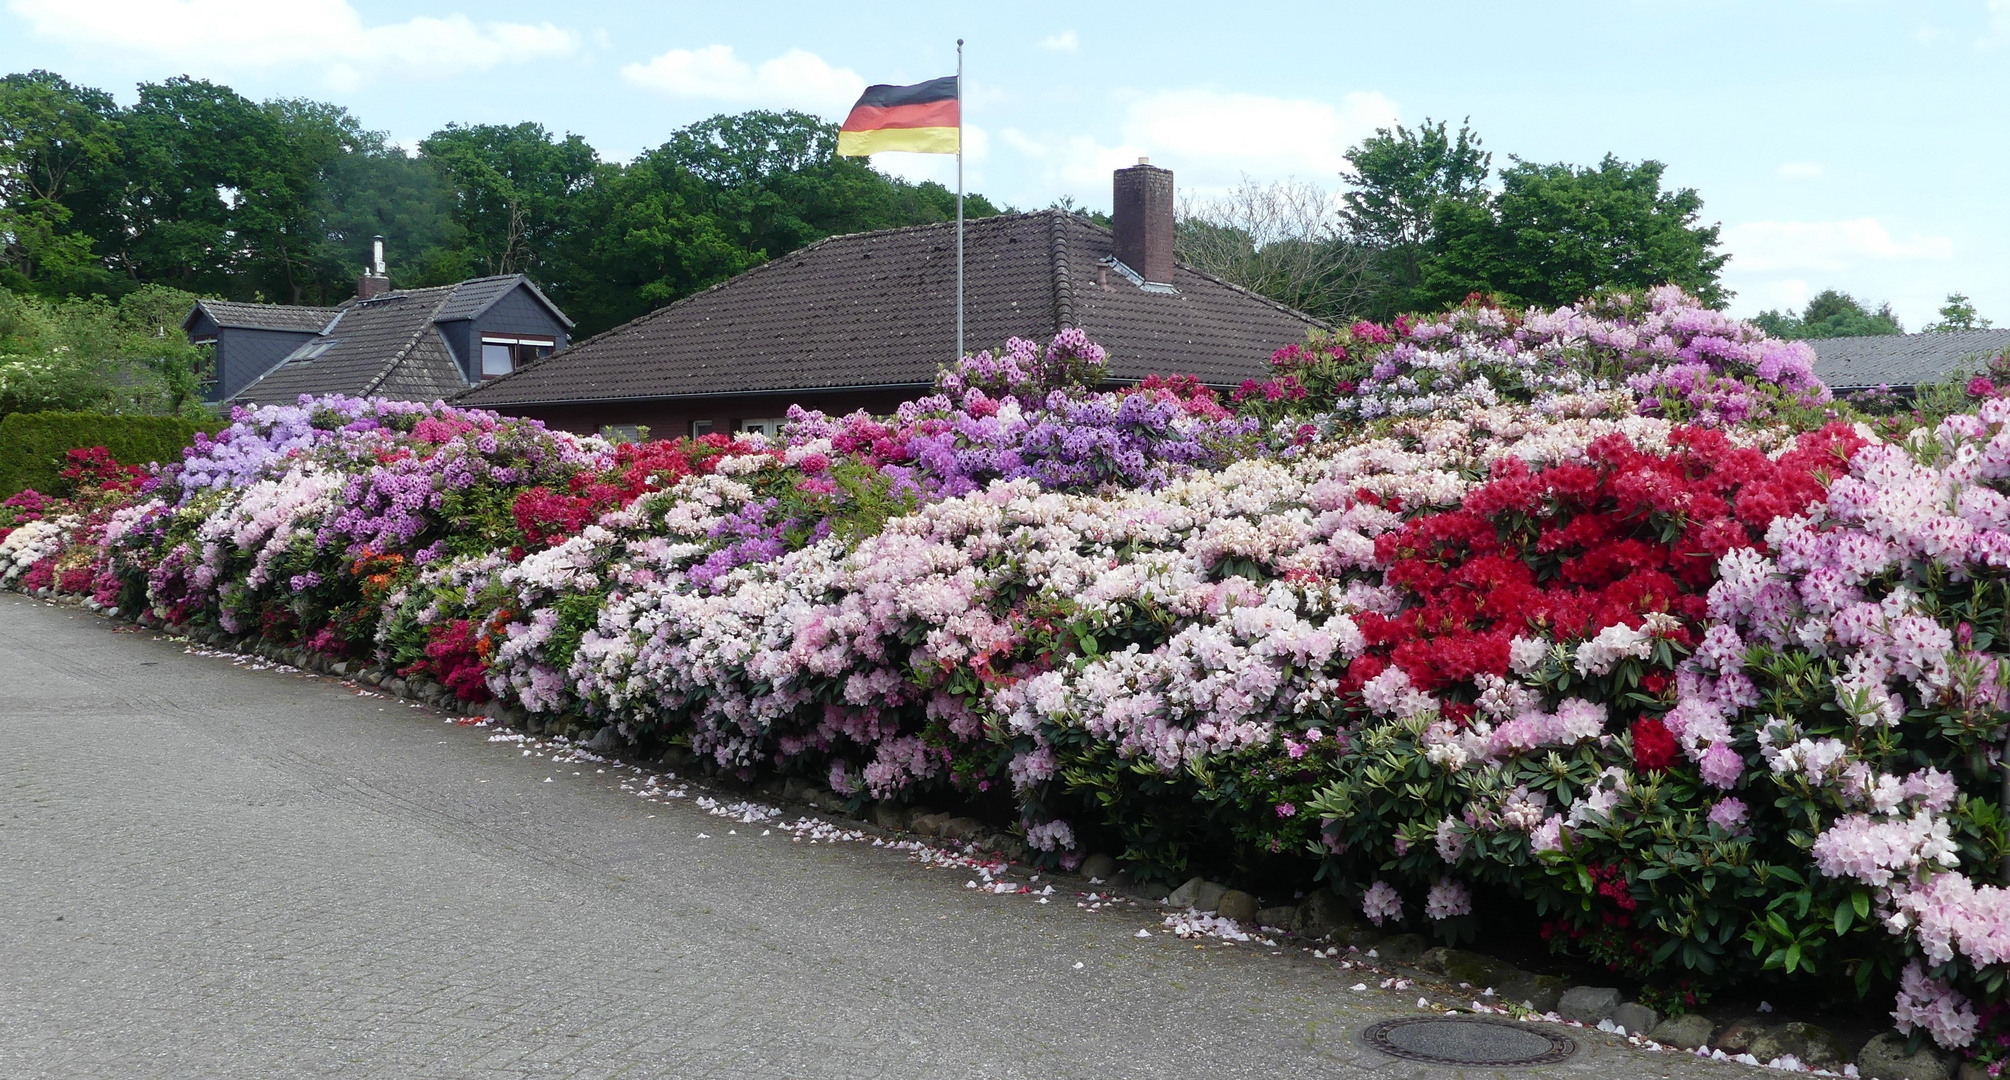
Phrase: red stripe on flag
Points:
(876, 118)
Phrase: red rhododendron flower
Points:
(1653, 745)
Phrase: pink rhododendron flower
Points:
(1381, 903)
(1447, 899)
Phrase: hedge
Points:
(32, 445)
(1601, 624)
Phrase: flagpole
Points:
(959, 199)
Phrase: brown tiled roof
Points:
(879, 309)
(265, 316)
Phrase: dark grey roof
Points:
(879, 310)
(373, 340)
(476, 295)
(389, 345)
(263, 316)
(1902, 360)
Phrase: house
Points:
(865, 321)
(1903, 361)
(414, 344)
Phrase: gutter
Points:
(693, 397)
(633, 399)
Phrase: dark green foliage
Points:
(32, 445)
(55, 140)
(1551, 234)
(513, 192)
(1557, 233)
(94, 355)
(1402, 180)
(199, 188)
(1831, 313)
(1958, 314)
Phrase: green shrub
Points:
(32, 445)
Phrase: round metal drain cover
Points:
(1467, 1040)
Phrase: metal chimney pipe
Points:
(377, 256)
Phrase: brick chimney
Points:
(374, 282)
(1142, 216)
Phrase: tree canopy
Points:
(1424, 221)
(1958, 314)
(198, 188)
(1832, 313)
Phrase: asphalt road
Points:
(208, 870)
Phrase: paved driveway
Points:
(213, 871)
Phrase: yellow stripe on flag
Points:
(928, 140)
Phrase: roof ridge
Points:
(674, 305)
(405, 350)
(1223, 282)
(1929, 335)
(1064, 282)
(986, 220)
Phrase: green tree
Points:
(1402, 178)
(93, 354)
(514, 191)
(720, 196)
(1831, 313)
(778, 183)
(54, 137)
(166, 217)
(378, 190)
(1556, 233)
(1958, 314)
(651, 237)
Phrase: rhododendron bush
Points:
(1604, 619)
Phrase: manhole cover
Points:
(1467, 1040)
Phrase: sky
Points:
(1853, 144)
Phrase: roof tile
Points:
(233, 313)
(879, 309)
(1853, 363)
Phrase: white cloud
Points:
(1247, 132)
(328, 34)
(1999, 24)
(797, 79)
(1779, 246)
(1801, 170)
(1212, 140)
(1065, 41)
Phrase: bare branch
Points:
(1279, 239)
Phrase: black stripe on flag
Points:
(943, 89)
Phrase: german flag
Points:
(920, 119)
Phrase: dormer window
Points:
(502, 355)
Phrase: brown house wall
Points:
(672, 419)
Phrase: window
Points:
(772, 428)
(502, 355)
(625, 433)
(700, 428)
(312, 349)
